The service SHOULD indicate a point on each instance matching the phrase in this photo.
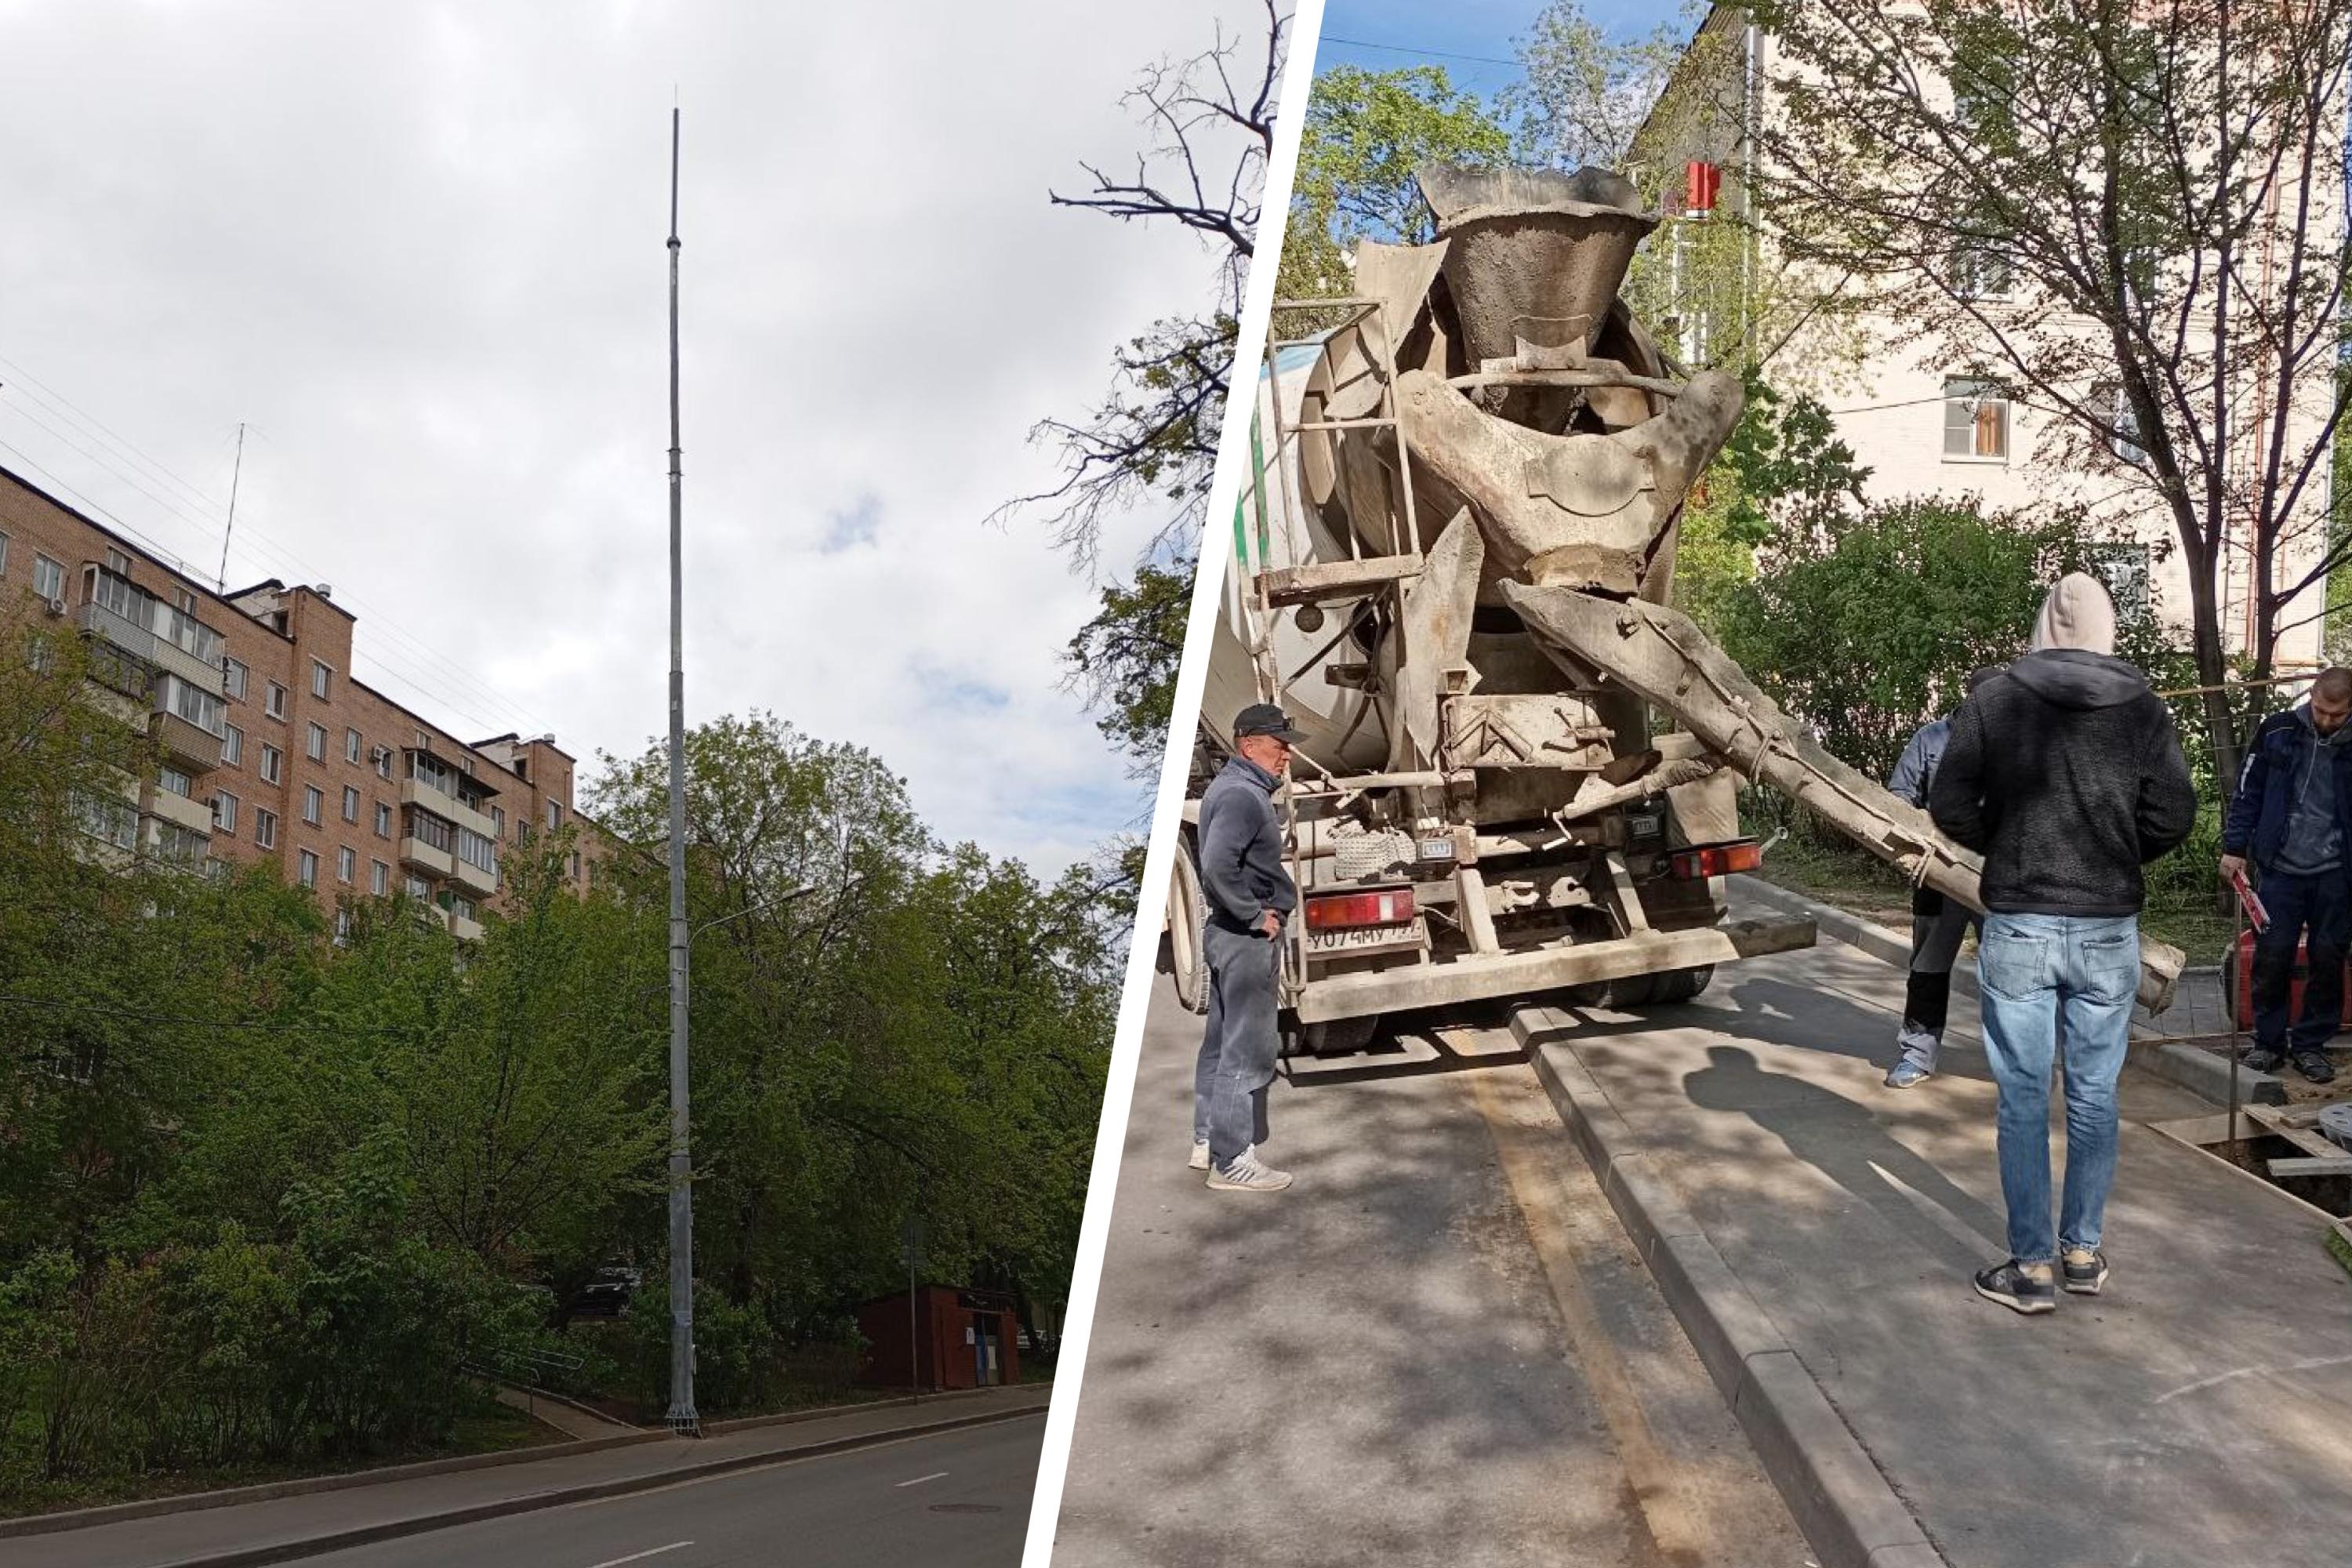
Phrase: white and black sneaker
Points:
(2019, 1287)
(1247, 1174)
(1199, 1160)
(2085, 1270)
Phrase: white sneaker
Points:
(1248, 1174)
(1199, 1160)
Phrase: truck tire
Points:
(1676, 986)
(1339, 1036)
(1187, 920)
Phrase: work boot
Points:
(1247, 1174)
(2262, 1059)
(2020, 1287)
(2315, 1066)
(2086, 1269)
(1199, 1160)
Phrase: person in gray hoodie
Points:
(2291, 816)
(2065, 772)
(1937, 924)
(1250, 898)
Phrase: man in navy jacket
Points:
(2291, 817)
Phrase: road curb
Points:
(304, 1486)
(2201, 1072)
(1848, 1510)
(590, 1492)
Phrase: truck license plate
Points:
(1349, 942)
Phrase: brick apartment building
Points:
(272, 750)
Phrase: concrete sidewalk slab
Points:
(283, 1529)
(2198, 1413)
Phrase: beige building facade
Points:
(271, 749)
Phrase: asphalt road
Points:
(956, 1500)
(1437, 1348)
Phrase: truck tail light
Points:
(1716, 861)
(1392, 905)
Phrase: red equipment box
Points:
(2241, 977)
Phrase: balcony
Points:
(142, 643)
(464, 930)
(420, 856)
(187, 746)
(196, 816)
(447, 807)
(123, 633)
(471, 876)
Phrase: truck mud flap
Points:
(1479, 977)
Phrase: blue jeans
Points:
(1240, 1045)
(2323, 905)
(2036, 972)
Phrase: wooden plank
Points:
(2283, 1117)
(2337, 1164)
(1338, 579)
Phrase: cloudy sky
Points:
(418, 248)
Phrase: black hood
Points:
(2076, 677)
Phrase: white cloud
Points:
(419, 249)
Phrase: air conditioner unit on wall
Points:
(56, 606)
(379, 753)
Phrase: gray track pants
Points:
(1239, 1048)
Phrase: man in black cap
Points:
(1250, 895)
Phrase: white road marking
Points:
(640, 1556)
(919, 1481)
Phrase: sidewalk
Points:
(2200, 1411)
(275, 1530)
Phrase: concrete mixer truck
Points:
(1453, 567)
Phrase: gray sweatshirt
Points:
(1241, 847)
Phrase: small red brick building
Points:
(962, 1339)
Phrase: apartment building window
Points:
(379, 878)
(424, 742)
(178, 845)
(554, 816)
(416, 886)
(343, 926)
(432, 771)
(350, 804)
(320, 676)
(477, 851)
(314, 804)
(233, 746)
(497, 822)
(273, 764)
(315, 743)
(1976, 421)
(462, 906)
(49, 578)
(2124, 568)
(576, 865)
(4, 553)
(197, 706)
(233, 676)
(176, 783)
(265, 829)
(427, 828)
(384, 762)
(307, 873)
(2123, 424)
(118, 563)
(347, 864)
(109, 819)
(351, 745)
(382, 820)
(274, 702)
(224, 812)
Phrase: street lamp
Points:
(803, 891)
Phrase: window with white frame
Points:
(315, 743)
(351, 745)
(224, 812)
(233, 676)
(306, 871)
(382, 820)
(2123, 423)
(429, 829)
(343, 926)
(314, 802)
(172, 780)
(2124, 568)
(379, 878)
(233, 746)
(1981, 272)
(4, 553)
(476, 851)
(118, 563)
(274, 700)
(554, 816)
(109, 819)
(49, 578)
(350, 804)
(416, 886)
(384, 762)
(177, 846)
(265, 829)
(1976, 421)
(347, 864)
(273, 764)
(321, 678)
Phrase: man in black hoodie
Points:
(2066, 775)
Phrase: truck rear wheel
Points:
(1188, 919)
(1339, 1036)
(1676, 986)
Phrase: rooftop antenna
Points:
(220, 583)
(683, 1419)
